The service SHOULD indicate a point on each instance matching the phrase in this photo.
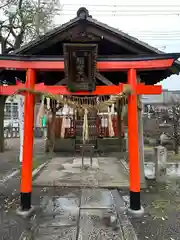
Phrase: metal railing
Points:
(14, 132)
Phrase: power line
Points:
(158, 34)
(130, 11)
(113, 9)
(168, 33)
(121, 5)
(126, 10)
(148, 35)
(126, 14)
(155, 35)
(156, 31)
(159, 39)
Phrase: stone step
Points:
(80, 142)
(93, 214)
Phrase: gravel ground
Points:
(162, 209)
(162, 204)
(162, 212)
(11, 225)
(9, 160)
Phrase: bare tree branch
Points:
(171, 115)
(19, 24)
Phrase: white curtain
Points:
(66, 121)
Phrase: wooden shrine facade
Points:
(40, 67)
(131, 67)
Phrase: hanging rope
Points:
(85, 104)
(40, 114)
(63, 129)
(78, 102)
(48, 103)
(85, 127)
(110, 124)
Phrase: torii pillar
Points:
(26, 171)
(133, 147)
(141, 137)
(133, 141)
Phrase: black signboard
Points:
(80, 66)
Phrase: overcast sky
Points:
(156, 22)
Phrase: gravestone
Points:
(160, 163)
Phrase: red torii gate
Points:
(31, 66)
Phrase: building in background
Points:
(155, 124)
(160, 101)
(11, 117)
(11, 111)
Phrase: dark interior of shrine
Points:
(53, 77)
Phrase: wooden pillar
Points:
(141, 137)
(141, 143)
(26, 172)
(2, 105)
(133, 146)
(119, 124)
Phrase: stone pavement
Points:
(106, 172)
(80, 205)
(12, 225)
(86, 214)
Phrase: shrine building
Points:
(96, 70)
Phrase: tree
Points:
(170, 115)
(22, 21)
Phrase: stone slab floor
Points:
(105, 172)
(80, 214)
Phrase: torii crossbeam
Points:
(131, 65)
(141, 88)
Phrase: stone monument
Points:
(160, 163)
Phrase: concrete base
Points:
(107, 145)
(66, 172)
(25, 214)
(136, 213)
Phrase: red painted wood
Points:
(133, 142)
(37, 65)
(100, 90)
(101, 66)
(148, 89)
(29, 102)
(149, 64)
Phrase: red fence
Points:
(69, 129)
(101, 124)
